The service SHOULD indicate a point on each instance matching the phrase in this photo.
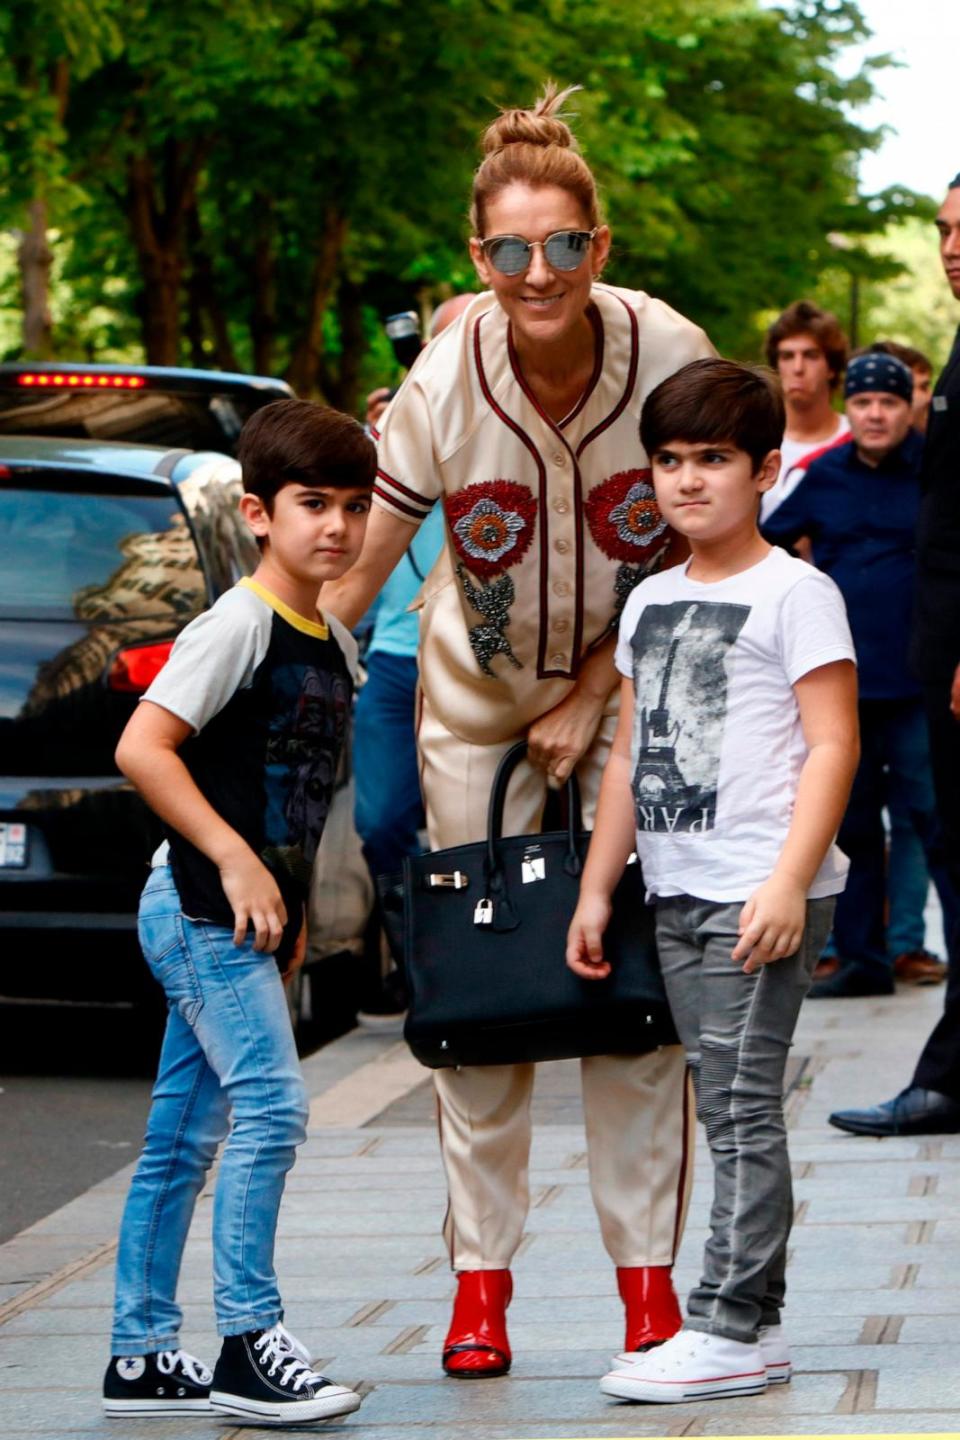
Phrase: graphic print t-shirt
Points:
(717, 742)
(267, 694)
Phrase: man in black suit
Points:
(931, 1102)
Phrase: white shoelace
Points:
(295, 1346)
(274, 1350)
(170, 1360)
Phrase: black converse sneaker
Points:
(259, 1376)
(168, 1382)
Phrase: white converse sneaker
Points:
(776, 1354)
(773, 1347)
(691, 1366)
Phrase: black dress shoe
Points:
(852, 982)
(912, 1112)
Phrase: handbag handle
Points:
(498, 795)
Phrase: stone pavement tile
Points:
(24, 1261)
(926, 1375)
(649, 1424)
(884, 1210)
(866, 1422)
(930, 1329)
(819, 1146)
(369, 1162)
(948, 1233)
(63, 1412)
(873, 1302)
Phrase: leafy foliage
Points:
(256, 184)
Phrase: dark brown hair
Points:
(716, 402)
(913, 359)
(295, 442)
(533, 147)
(805, 318)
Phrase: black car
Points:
(107, 551)
(192, 409)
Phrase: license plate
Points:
(13, 846)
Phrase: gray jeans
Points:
(736, 1030)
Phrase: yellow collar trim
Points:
(319, 629)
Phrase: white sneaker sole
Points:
(286, 1412)
(778, 1374)
(139, 1409)
(624, 1386)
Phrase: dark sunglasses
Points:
(563, 250)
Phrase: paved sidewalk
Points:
(873, 1310)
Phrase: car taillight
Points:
(74, 380)
(133, 670)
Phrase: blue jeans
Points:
(389, 808)
(228, 1053)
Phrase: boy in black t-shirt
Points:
(235, 747)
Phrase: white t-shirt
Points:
(717, 741)
(796, 455)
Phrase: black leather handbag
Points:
(484, 939)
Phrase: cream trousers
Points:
(637, 1109)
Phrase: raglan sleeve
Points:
(814, 629)
(214, 657)
(408, 475)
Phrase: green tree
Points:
(284, 172)
(45, 47)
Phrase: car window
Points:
(88, 556)
(150, 416)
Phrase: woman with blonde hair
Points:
(522, 418)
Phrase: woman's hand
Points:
(585, 937)
(559, 738)
(771, 923)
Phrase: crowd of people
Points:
(609, 580)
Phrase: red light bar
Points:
(73, 378)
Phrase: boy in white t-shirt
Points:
(731, 767)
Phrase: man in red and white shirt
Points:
(808, 350)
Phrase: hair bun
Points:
(543, 125)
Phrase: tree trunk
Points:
(352, 345)
(35, 259)
(206, 297)
(196, 336)
(157, 230)
(263, 315)
(306, 363)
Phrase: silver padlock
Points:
(483, 912)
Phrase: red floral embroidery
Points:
(491, 525)
(624, 517)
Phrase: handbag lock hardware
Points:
(483, 913)
(456, 881)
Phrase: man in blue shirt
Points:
(858, 505)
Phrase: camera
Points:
(403, 332)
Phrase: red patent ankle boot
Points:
(476, 1345)
(653, 1313)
